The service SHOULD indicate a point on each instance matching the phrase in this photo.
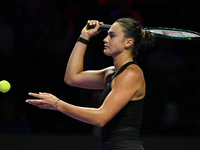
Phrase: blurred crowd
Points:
(37, 37)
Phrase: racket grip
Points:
(103, 27)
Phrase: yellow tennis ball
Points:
(4, 86)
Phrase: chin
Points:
(106, 53)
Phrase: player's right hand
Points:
(88, 33)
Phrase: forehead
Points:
(116, 28)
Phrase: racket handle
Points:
(103, 27)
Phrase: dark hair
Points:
(142, 38)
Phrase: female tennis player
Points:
(121, 103)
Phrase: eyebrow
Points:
(111, 32)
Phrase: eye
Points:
(111, 35)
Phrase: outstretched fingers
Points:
(35, 95)
(35, 102)
(39, 103)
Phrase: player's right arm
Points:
(74, 74)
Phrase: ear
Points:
(129, 42)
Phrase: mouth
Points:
(105, 47)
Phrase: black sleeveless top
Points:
(127, 122)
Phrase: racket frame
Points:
(172, 30)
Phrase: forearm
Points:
(84, 114)
(93, 116)
(75, 62)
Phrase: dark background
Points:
(37, 37)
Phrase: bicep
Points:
(91, 79)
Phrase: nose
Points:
(105, 40)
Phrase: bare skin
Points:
(127, 86)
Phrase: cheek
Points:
(114, 49)
(117, 45)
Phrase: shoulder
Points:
(133, 71)
(130, 81)
(130, 74)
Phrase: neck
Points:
(119, 62)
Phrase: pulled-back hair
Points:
(142, 38)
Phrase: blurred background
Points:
(37, 37)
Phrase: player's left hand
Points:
(44, 101)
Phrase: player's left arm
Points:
(124, 88)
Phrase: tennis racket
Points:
(164, 32)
